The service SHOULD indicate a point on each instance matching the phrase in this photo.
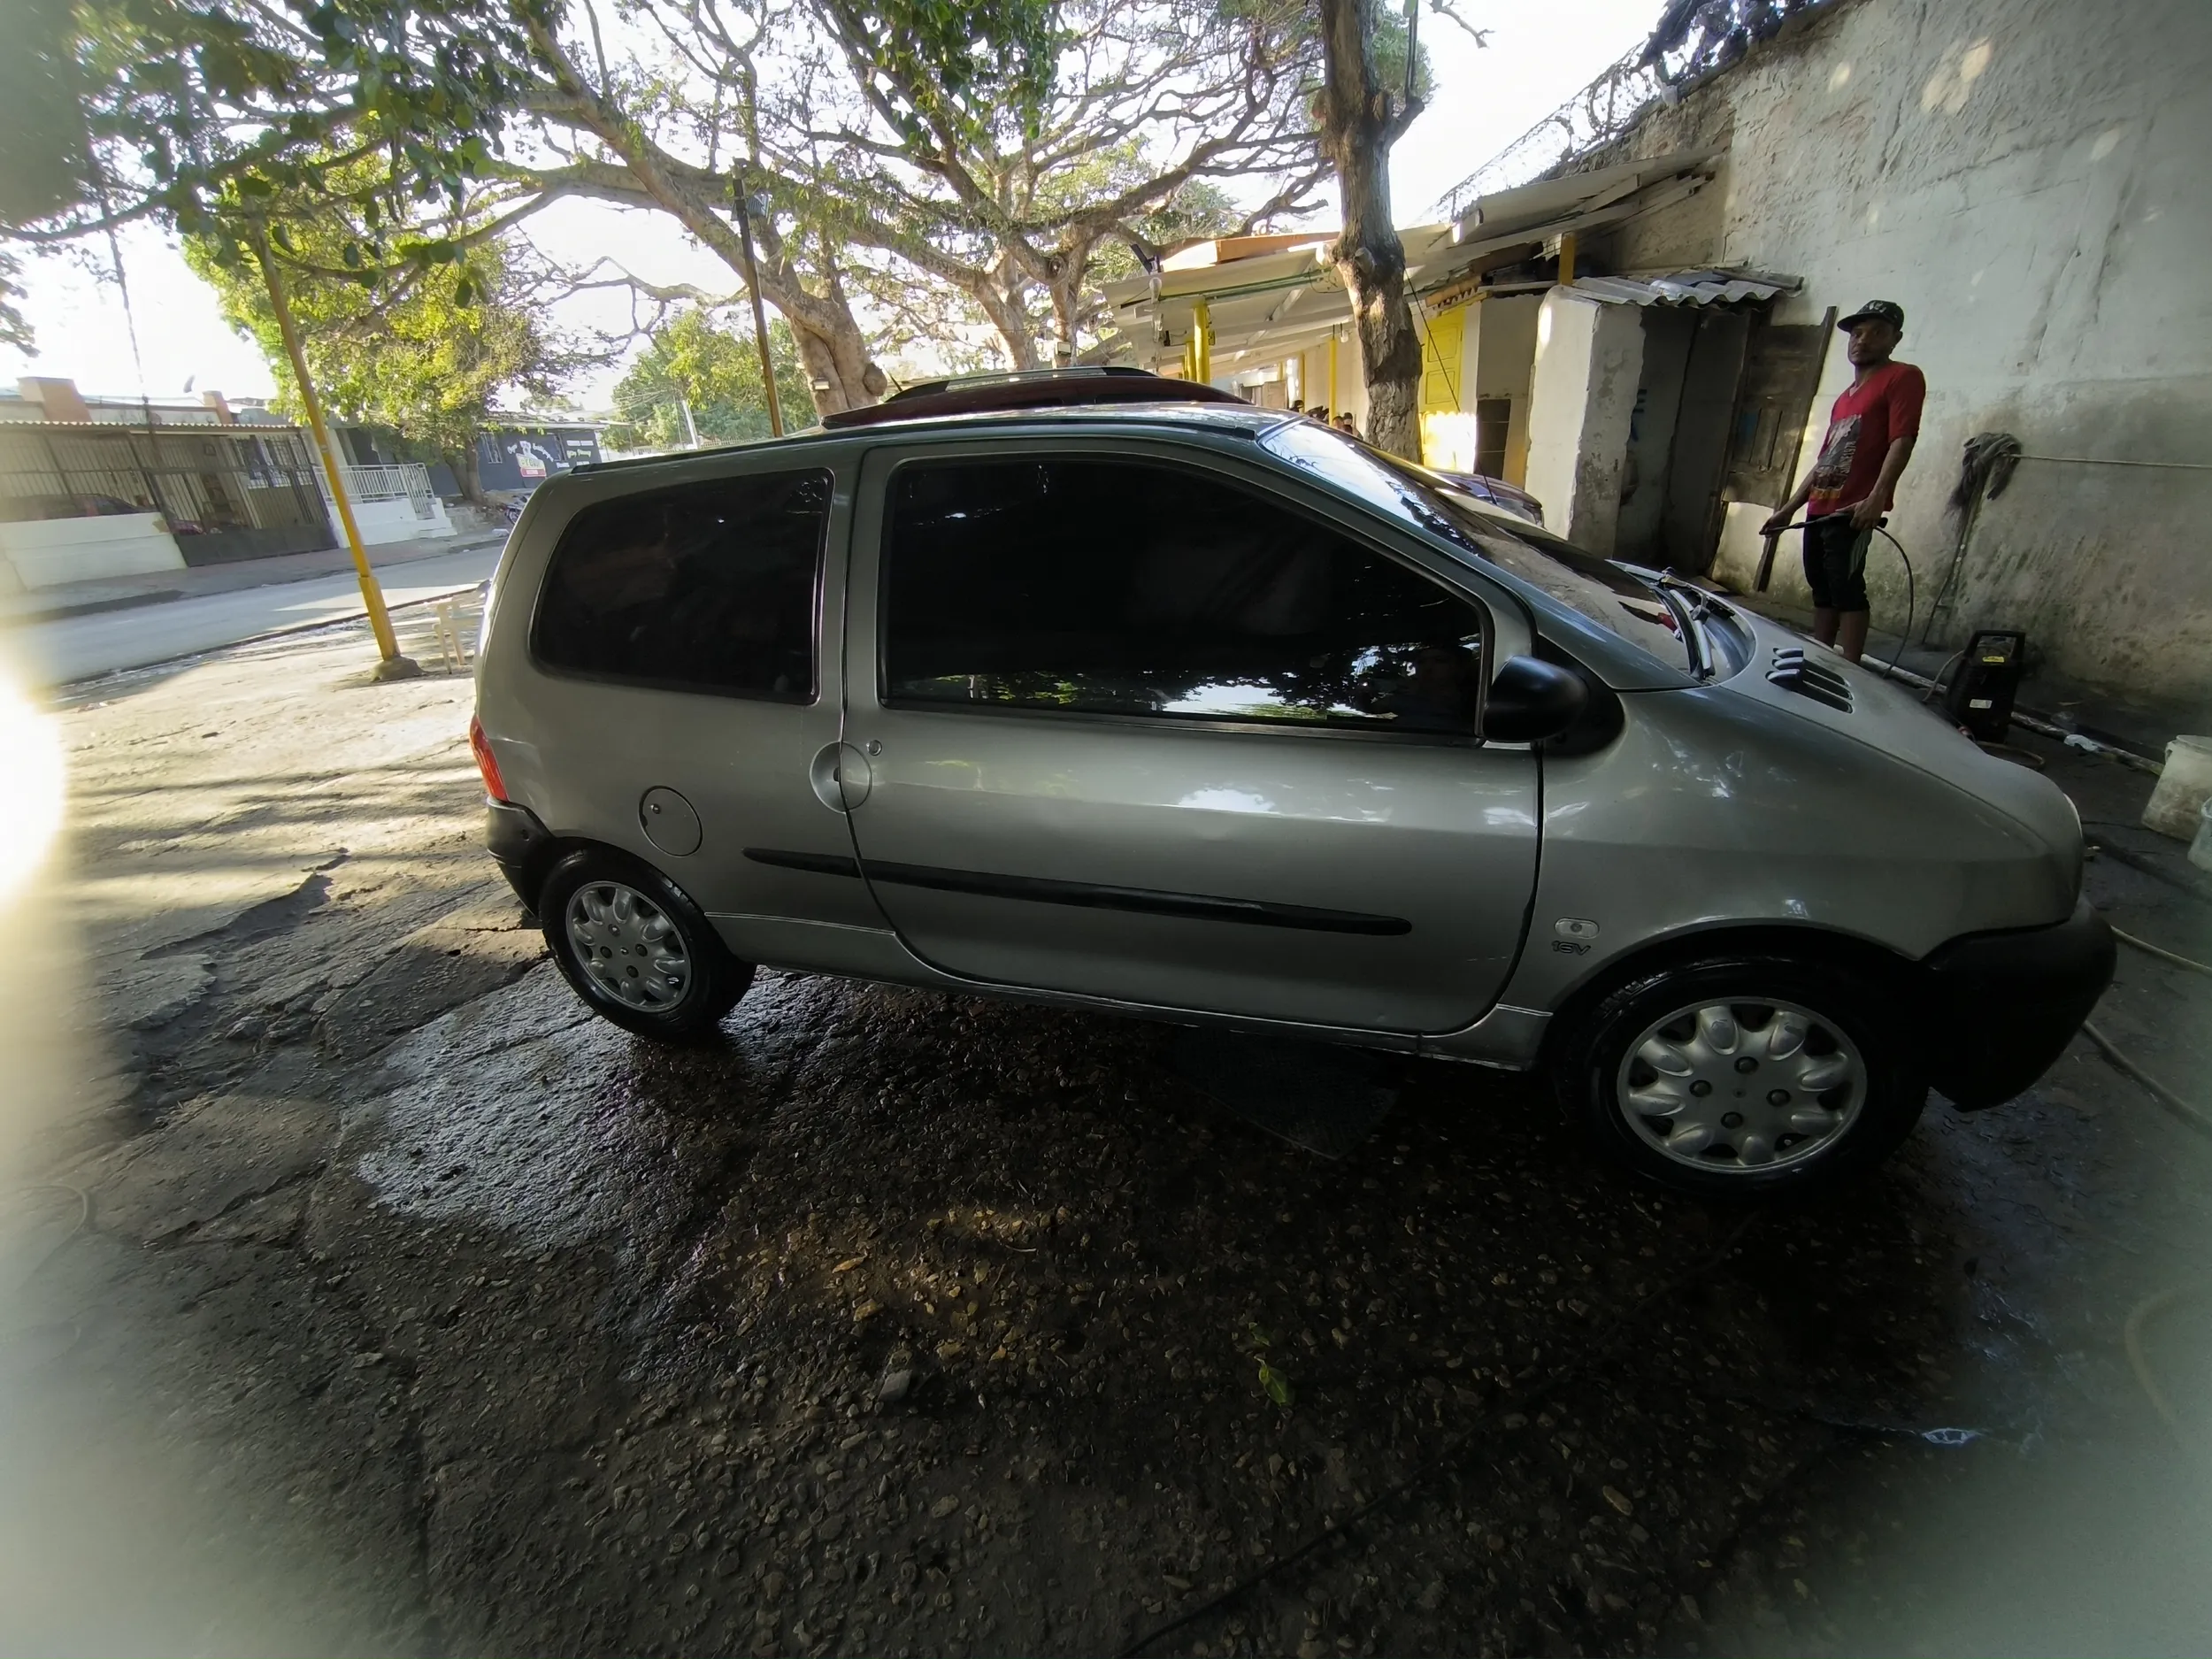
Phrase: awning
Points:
(1274, 303)
(1688, 287)
(1572, 195)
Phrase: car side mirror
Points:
(1532, 700)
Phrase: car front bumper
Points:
(2003, 1006)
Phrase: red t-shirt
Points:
(1866, 421)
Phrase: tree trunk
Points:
(1066, 289)
(839, 373)
(468, 474)
(1360, 120)
(1002, 306)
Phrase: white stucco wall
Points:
(397, 520)
(2027, 178)
(1582, 396)
(48, 552)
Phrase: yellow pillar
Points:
(1334, 408)
(1566, 259)
(1202, 339)
(391, 664)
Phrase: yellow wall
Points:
(1447, 407)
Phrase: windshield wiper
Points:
(1692, 621)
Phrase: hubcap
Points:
(628, 945)
(1741, 1087)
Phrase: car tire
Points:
(1743, 1078)
(635, 948)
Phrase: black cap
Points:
(1879, 311)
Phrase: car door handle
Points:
(841, 775)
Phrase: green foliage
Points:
(425, 352)
(1200, 208)
(718, 372)
(958, 69)
(202, 114)
(41, 133)
(1388, 44)
(14, 331)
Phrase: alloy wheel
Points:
(628, 944)
(1741, 1087)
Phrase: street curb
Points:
(271, 633)
(131, 602)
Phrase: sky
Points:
(1538, 57)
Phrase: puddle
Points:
(515, 1114)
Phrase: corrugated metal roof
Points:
(1524, 206)
(1687, 288)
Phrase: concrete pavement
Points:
(72, 648)
(360, 1292)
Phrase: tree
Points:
(1361, 116)
(201, 115)
(180, 110)
(990, 148)
(424, 349)
(717, 372)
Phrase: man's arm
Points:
(1864, 514)
(1798, 498)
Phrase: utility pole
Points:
(390, 664)
(752, 287)
(691, 426)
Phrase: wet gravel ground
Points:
(388, 1303)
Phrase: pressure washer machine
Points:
(1979, 696)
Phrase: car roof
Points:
(1236, 419)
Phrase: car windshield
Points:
(1605, 593)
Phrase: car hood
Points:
(1889, 717)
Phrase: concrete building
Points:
(2027, 179)
(1644, 339)
(96, 486)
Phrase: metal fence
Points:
(226, 492)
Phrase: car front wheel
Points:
(637, 948)
(1743, 1078)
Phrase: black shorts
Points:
(1835, 563)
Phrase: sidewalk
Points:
(120, 593)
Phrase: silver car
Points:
(1201, 712)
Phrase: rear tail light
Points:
(487, 761)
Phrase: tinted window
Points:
(701, 587)
(1126, 587)
(1601, 590)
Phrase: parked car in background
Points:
(1497, 492)
(1157, 704)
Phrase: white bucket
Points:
(2200, 849)
(2182, 788)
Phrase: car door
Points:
(685, 688)
(1138, 723)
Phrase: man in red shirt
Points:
(1870, 434)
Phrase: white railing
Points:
(408, 480)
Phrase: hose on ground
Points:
(2139, 1360)
(2162, 953)
(84, 1215)
(2173, 1102)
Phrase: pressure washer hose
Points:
(2193, 1117)
(1911, 588)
